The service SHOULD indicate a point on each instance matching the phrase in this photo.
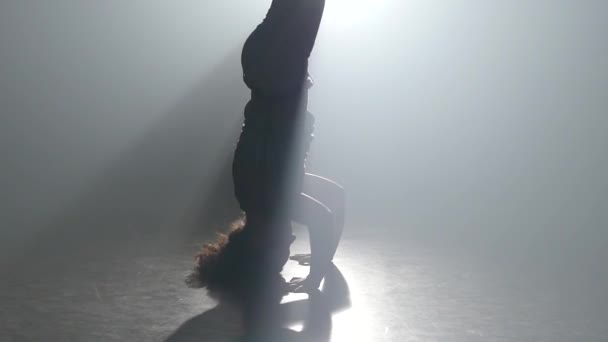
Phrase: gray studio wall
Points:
(473, 123)
(113, 113)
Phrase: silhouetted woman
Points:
(269, 176)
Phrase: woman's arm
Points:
(320, 221)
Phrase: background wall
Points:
(475, 124)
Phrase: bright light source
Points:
(347, 13)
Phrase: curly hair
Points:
(238, 261)
(217, 264)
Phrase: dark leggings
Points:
(268, 168)
(275, 56)
(268, 165)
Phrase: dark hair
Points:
(217, 264)
(239, 264)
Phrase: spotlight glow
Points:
(347, 13)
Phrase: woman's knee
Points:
(330, 192)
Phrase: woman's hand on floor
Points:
(302, 259)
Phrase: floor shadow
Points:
(264, 318)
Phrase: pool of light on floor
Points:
(359, 321)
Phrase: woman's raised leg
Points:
(275, 56)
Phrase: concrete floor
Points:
(383, 289)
